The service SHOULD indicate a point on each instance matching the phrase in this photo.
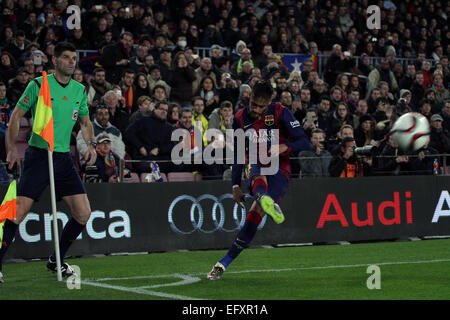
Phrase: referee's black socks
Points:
(69, 234)
(9, 231)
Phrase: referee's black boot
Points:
(66, 269)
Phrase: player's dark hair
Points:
(262, 89)
(64, 46)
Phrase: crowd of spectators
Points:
(150, 77)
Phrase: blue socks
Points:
(243, 238)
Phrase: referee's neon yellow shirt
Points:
(68, 103)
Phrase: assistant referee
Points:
(69, 104)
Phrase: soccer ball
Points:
(411, 131)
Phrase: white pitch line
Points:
(173, 275)
(186, 279)
(190, 278)
(139, 291)
(335, 267)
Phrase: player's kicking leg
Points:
(242, 241)
(265, 201)
(263, 204)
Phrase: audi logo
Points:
(218, 214)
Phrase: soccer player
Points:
(267, 190)
(69, 104)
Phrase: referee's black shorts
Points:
(35, 177)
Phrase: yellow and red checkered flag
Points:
(8, 208)
(43, 118)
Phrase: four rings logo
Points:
(197, 216)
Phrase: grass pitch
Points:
(408, 270)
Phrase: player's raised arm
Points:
(298, 140)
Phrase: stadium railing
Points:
(443, 169)
(374, 61)
(201, 51)
(322, 58)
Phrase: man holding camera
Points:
(338, 62)
(314, 162)
(228, 88)
(350, 161)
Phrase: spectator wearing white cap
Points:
(107, 162)
(237, 51)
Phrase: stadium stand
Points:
(316, 45)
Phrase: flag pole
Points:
(43, 126)
(55, 218)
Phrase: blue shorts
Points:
(35, 177)
(277, 183)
